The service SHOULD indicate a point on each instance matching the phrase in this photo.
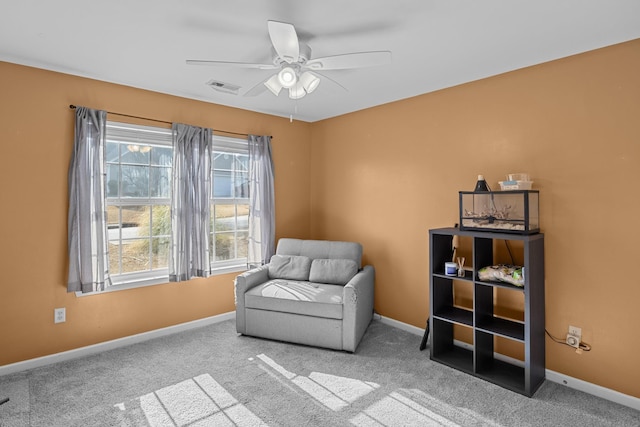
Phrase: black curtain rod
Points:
(73, 107)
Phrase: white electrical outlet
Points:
(574, 330)
(574, 337)
(59, 315)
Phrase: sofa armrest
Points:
(358, 307)
(241, 285)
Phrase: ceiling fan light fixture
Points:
(273, 84)
(309, 81)
(297, 91)
(287, 77)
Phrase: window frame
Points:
(232, 146)
(140, 135)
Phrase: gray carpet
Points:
(210, 376)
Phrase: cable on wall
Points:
(582, 346)
(506, 243)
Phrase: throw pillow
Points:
(289, 267)
(332, 271)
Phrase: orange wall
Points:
(386, 175)
(36, 137)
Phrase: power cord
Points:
(506, 243)
(582, 346)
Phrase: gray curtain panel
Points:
(262, 209)
(87, 225)
(190, 203)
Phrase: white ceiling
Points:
(435, 44)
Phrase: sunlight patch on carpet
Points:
(199, 401)
(332, 391)
(414, 407)
(407, 407)
(347, 389)
(462, 416)
(394, 409)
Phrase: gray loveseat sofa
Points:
(312, 292)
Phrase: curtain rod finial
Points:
(73, 107)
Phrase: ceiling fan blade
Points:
(324, 76)
(232, 64)
(284, 40)
(350, 60)
(257, 89)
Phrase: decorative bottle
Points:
(481, 185)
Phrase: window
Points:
(139, 161)
(229, 202)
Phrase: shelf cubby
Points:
(447, 352)
(502, 327)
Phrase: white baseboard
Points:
(556, 377)
(400, 325)
(110, 345)
(594, 389)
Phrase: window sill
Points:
(229, 269)
(160, 280)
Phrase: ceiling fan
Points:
(297, 71)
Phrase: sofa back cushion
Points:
(332, 271)
(290, 267)
(324, 249)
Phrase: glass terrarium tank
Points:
(515, 211)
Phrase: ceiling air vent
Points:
(223, 87)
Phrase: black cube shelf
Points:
(479, 358)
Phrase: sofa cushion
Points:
(300, 297)
(333, 271)
(315, 249)
(291, 267)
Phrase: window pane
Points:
(161, 156)
(113, 232)
(135, 181)
(222, 185)
(113, 152)
(160, 253)
(136, 221)
(242, 185)
(113, 217)
(135, 154)
(224, 246)
(160, 182)
(161, 215)
(222, 161)
(242, 163)
(114, 257)
(243, 244)
(243, 217)
(130, 216)
(135, 255)
(224, 218)
(113, 176)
